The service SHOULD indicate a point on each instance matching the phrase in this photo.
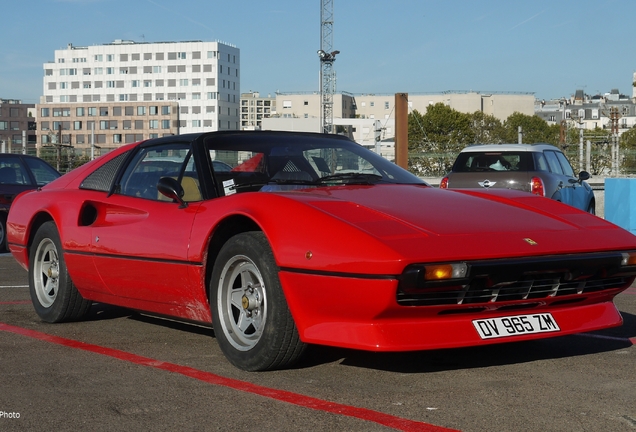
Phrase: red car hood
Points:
(466, 224)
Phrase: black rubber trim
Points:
(339, 274)
(136, 258)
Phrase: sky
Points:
(547, 47)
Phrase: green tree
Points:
(534, 129)
(627, 151)
(600, 139)
(436, 137)
(487, 129)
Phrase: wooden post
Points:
(402, 130)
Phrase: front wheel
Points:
(53, 294)
(252, 323)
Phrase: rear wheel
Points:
(3, 232)
(53, 294)
(252, 323)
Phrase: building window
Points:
(44, 112)
(141, 110)
(165, 110)
(165, 124)
(153, 124)
(103, 111)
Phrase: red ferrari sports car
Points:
(311, 239)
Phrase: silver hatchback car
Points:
(541, 169)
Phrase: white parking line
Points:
(14, 286)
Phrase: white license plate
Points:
(515, 325)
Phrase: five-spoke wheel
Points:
(252, 322)
(53, 294)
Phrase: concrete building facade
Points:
(590, 112)
(195, 86)
(17, 126)
(255, 108)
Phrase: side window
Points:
(102, 178)
(150, 164)
(13, 172)
(567, 168)
(553, 162)
(541, 164)
(43, 172)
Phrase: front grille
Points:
(500, 281)
(520, 290)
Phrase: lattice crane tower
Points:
(327, 74)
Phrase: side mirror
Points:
(584, 175)
(172, 189)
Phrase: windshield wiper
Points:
(350, 178)
(291, 182)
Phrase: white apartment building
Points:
(200, 80)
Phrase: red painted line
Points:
(394, 422)
(16, 302)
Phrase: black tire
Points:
(251, 319)
(53, 294)
(3, 231)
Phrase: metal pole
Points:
(520, 135)
(581, 146)
(93, 141)
(588, 159)
(23, 142)
(402, 130)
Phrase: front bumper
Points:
(361, 313)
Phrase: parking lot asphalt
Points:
(119, 370)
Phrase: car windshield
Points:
(493, 161)
(299, 160)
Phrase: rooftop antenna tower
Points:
(327, 57)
